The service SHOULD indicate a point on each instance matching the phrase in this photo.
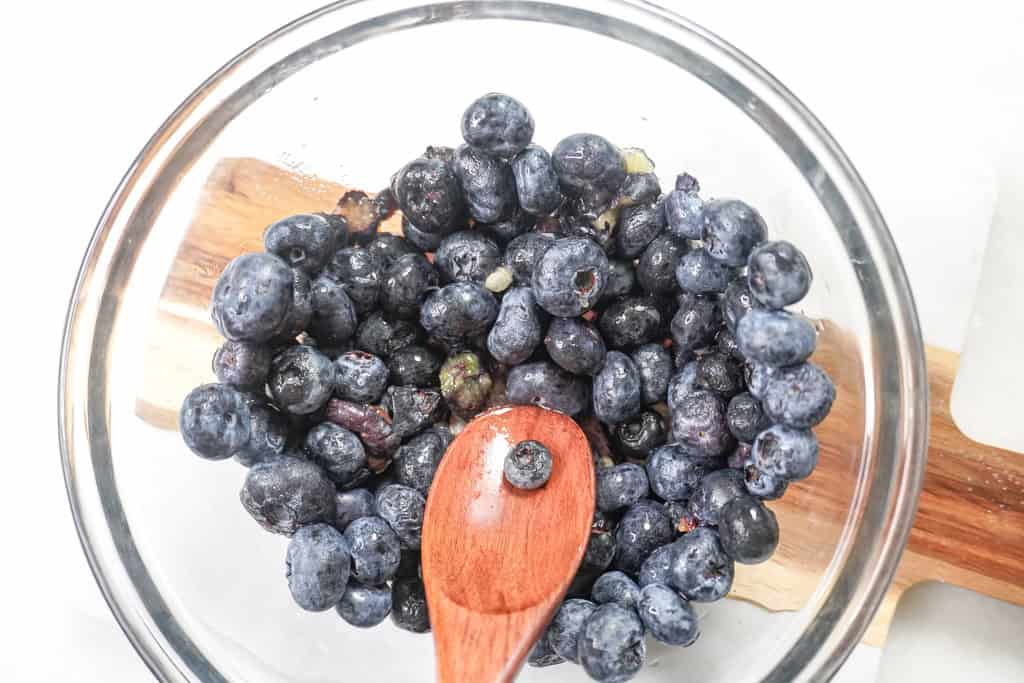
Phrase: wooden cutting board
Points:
(969, 529)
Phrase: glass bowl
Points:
(345, 96)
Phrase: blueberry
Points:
(506, 230)
(758, 376)
(570, 277)
(301, 312)
(600, 550)
(667, 616)
(615, 586)
(745, 417)
(675, 470)
(361, 271)
(631, 321)
(684, 210)
(749, 530)
(699, 422)
(679, 512)
(682, 383)
(781, 451)
(242, 365)
(725, 342)
(637, 437)
(695, 323)
(352, 505)
(487, 184)
(588, 165)
(417, 460)
(318, 567)
(365, 606)
(268, 431)
(719, 373)
(405, 284)
(528, 465)
(414, 366)
(654, 363)
(337, 450)
(465, 383)
(301, 379)
(375, 550)
(497, 124)
(389, 248)
(253, 298)
(523, 253)
(429, 195)
(575, 345)
(611, 644)
(737, 301)
(581, 220)
(373, 428)
(778, 274)
(799, 396)
(413, 410)
(656, 269)
(383, 336)
(637, 227)
(541, 654)
(775, 337)
(334, 318)
(458, 311)
(402, 508)
(536, 181)
(304, 241)
(518, 329)
(701, 570)
(621, 280)
(546, 385)
(640, 188)
(564, 630)
(731, 230)
(409, 606)
(421, 239)
(657, 568)
(617, 389)
(620, 486)
(715, 491)
(697, 272)
(761, 484)
(214, 421)
(286, 493)
(644, 527)
(360, 377)
(339, 227)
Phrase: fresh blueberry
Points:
(487, 184)
(617, 389)
(421, 239)
(699, 422)
(541, 654)
(785, 452)
(375, 550)
(737, 301)
(518, 329)
(360, 377)
(731, 230)
(352, 505)
(637, 437)
(361, 271)
(536, 181)
(405, 284)
(413, 410)
(611, 644)
(301, 379)
(214, 421)
(365, 606)
(615, 586)
(429, 195)
(620, 486)
(631, 321)
(657, 568)
(304, 241)
(389, 248)
(409, 606)
(799, 396)
(762, 485)
(600, 549)
(621, 280)
(414, 366)
(701, 570)
(337, 450)
(575, 345)
(656, 269)
(719, 373)
(667, 616)
(253, 298)
(758, 375)
(640, 188)
(506, 230)
(317, 566)
(301, 312)
(402, 508)
(638, 226)
(674, 471)
(458, 311)
(546, 385)
(778, 274)
(417, 460)
(465, 383)
(695, 323)
(334, 318)
(570, 276)
(775, 337)
(745, 417)
(498, 125)
(589, 166)
(644, 527)
(684, 210)
(654, 363)
(523, 253)
(383, 336)
(682, 384)
(372, 426)
(697, 272)
(286, 493)
(528, 466)
(715, 491)
(268, 431)
(242, 365)
(564, 630)
(749, 530)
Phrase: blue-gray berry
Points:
(614, 586)
(570, 277)
(611, 644)
(458, 311)
(528, 466)
(667, 616)
(698, 421)
(775, 338)
(701, 570)
(365, 606)
(518, 329)
(536, 181)
(778, 274)
(301, 379)
(546, 385)
(654, 363)
(564, 630)
(375, 549)
(487, 184)
(352, 505)
(786, 452)
(402, 508)
(214, 421)
(644, 527)
(253, 298)
(674, 470)
(304, 241)
(699, 273)
(360, 377)
(497, 124)
(286, 493)
(317, 567)
(748, 530)
(731, 230)
(337, 450)
(575, 345)
(616, 390)
(799, 396)
(715, 491)
(620, 486)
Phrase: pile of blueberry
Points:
(565, 280)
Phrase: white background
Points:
(926, 100)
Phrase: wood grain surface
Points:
(497, 560)
(969, 529)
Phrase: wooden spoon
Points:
(497, 560)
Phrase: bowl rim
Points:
(818, 653)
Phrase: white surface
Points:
(923, 104)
